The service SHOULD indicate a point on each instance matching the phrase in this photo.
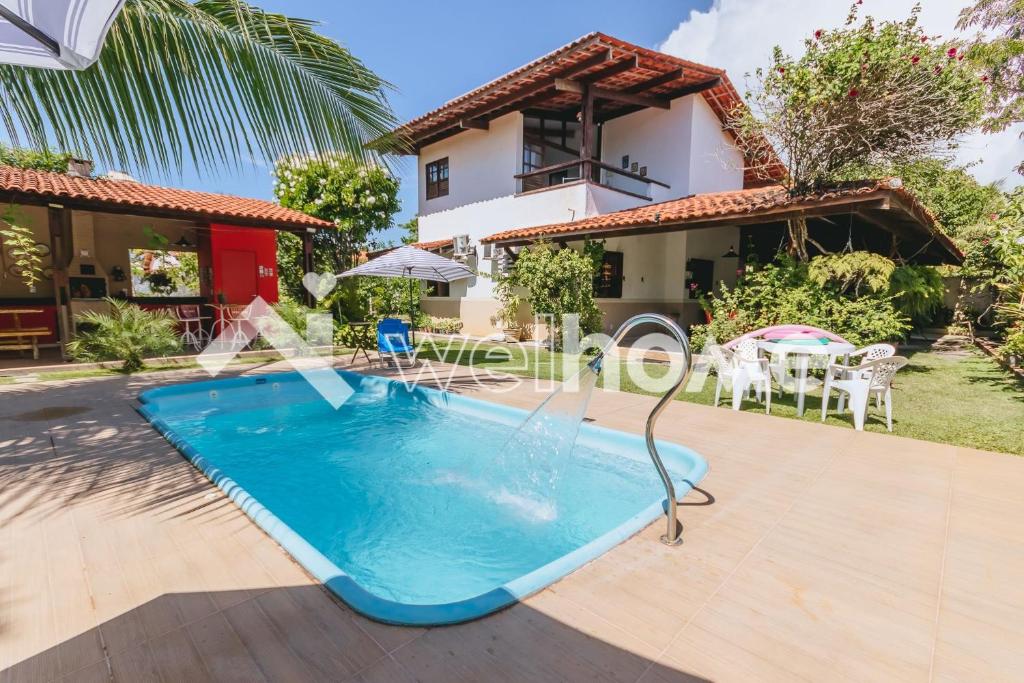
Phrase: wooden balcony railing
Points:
(594, 171)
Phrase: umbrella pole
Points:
(412, 313)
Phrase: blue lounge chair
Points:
(393, 341)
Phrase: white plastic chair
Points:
(741, 370)
(874, 352)
(860, 383)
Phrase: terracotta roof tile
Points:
(436, 244)
(723, 206)
(509, 92)
(126, 194)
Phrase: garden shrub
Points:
(443, 325)
(1013, 346)
(558, 282)
(918, 292)
(128, 333)
(784, 293)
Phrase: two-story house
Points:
(602, 139)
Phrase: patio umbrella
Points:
(414, 264)
(54, 34)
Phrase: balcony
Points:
(594, 171)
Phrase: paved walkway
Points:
(812, 552)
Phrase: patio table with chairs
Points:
(741, 364)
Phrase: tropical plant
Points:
(557, 282)
(1008, 247)
(867, 94)
(216, 80)
(509, 302)
(917, 292)
(999, 53)
(19, 242)
(783, 292)
(1013, 346)
(35, 160)
(852, 272)
(359, 199)
(127, 333)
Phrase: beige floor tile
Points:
(827, 554)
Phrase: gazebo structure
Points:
(97, 235)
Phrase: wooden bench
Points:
(20, 338)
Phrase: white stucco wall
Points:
(483, 218)
(481, 164)
(683, 146)
(715, 163)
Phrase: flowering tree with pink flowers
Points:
(867, 94)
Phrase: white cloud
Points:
(739, 35)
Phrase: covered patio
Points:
(663, 257)
(828, 555)
(103, 237)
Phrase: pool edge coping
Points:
(372, 606)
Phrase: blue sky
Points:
(434, 51)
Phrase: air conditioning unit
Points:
(460, 245)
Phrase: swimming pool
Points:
(401, 502)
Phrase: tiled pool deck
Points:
(814, 553)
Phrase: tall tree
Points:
(212, 81)
(868, 93)
(359, 199)
(1000, 55)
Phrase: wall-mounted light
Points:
(183, 243)
(731, 253)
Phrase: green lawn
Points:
(85, 373)
(965, 400)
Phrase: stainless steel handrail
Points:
(673, 536)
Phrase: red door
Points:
(239, 277)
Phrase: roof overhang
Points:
(891, 209)
(622, 77)
(38, 188)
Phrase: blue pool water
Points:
(403, 501)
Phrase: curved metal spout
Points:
(672, 537)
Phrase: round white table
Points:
(804, 351)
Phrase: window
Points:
(608, 281)
(533, 157)
(437, 178)
(157, 272)
(438, 288)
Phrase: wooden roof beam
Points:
(534, 93)
(664, 78)
(675, 94)
(613, 69)
(475, 124)
(569, 85)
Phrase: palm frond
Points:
(214, 82)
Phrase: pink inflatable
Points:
(797, 333)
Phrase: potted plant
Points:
(508, 314)
(702, 300)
